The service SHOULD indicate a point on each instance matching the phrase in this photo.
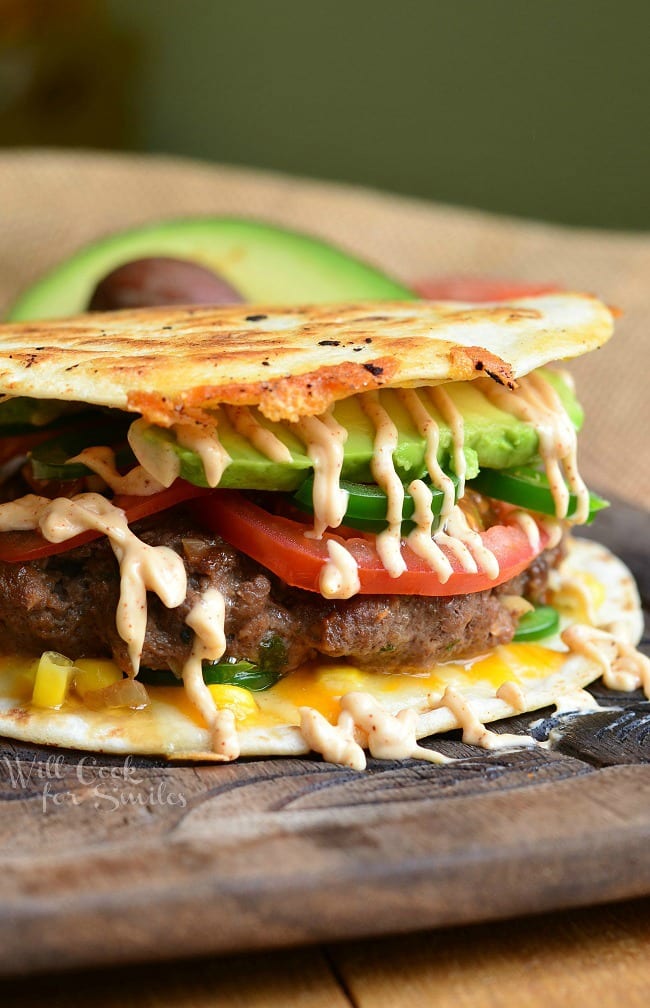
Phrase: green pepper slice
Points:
(230, 673)
(540, 622)
(528, 488)
(50, 458)
(367, 504)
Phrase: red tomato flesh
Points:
(19, 547)
(467, 288)
(279, 544)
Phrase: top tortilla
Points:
(170, 363)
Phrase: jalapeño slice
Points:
(367, 504)
(50, 458)
(528, 488)
(540, 622)
(230, 673)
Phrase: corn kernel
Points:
(240, 701)
(51, 680)
(90, 674)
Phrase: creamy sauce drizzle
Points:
(363, 721)
(389, 736)
(474, 731)
(623, 667)
(206, 618)
(511, 693)
(324, 439)
(388, 542)
(339, 577)
(553, 529)
(536, 402)
(454, 418)
(458, 531)
(336, 743)
(142, 567)
(261, 438)
(101, 460)
(428, 429)
(528, 526)
(208, 447)
(420, 539)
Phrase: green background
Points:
(533, 107)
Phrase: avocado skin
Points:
(265, 264)
(493, 440)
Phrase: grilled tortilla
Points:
(168, 363)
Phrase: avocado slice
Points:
(266, 264)
(494, 439)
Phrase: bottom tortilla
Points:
(593, 586)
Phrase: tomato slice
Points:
(279, 544)
(467, 288)
(19, 547)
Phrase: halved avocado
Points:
(266, 264)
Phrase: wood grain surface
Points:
(104, 862)
(593, 956)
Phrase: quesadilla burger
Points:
(255, 531)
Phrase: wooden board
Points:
(103, 862)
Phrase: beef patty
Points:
(67, 603)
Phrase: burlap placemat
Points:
(52, 202)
